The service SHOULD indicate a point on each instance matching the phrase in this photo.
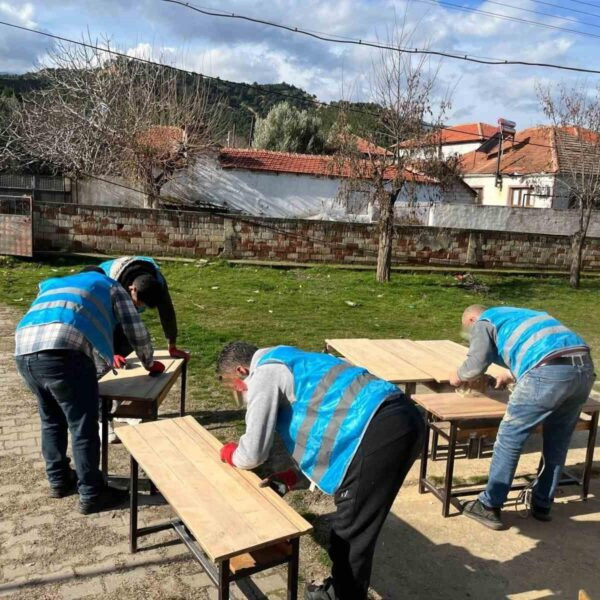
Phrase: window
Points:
(521, 197)
(479, 192)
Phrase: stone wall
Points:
(114, 231)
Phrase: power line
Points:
(586, 3)
(545, 14)
(379, 46)
(582, 12)
(224, 81)
(508, 18)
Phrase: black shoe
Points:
(322, 591)
(67, 488)
(541, 514)
(490, 517)
(109, 499)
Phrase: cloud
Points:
(243, 51)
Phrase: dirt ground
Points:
(49, 551)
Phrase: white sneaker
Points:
(128, 421)
(112, 436)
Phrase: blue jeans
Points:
(552, 395)
(64, 383)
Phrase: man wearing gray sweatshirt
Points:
(353, 435)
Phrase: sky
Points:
(249, 52)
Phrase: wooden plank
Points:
(223, 507)
(458, 352)
(265, 556)
(378, 360)
(134, 383)
(450, 406)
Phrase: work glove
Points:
(156, 368)
(227, 452)
(281, 482)
(175, 352)
(119, 362)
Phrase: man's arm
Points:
(133, 327)
(482, 351)
(261, 417)
(166, 312)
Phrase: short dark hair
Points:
(149, 289)
(234, 354)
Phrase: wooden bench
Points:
(138, 394)
(233, 527)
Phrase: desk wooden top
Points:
(222, 506)
(134, 383)
(451, 406)
(405, 361)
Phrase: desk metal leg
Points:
(292, 588)
(104, 404)
(410, 389)
(449, 469)
(133, 505)
(424, 453)
(224, 580)
(589, 456)
(183, 388)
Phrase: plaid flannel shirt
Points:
(60, 336)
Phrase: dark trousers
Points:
(64, 383)
(121, 343)
(388, 449)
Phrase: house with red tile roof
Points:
(526, 170)
(286, 185)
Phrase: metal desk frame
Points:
(220, 574)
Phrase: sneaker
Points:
(112, 436)
(322, 591)
(127, 420)
(541, 514)
(490, 517)
(109, 499)
(67, 488)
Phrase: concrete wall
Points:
(117, 231)
(107, 192)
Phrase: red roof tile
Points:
(307, 164)
(467, 132)
(162, 140)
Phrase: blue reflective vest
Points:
(525, 337)
(114, 268)
(334, 404)
(82, 301)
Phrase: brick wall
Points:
(114, 230)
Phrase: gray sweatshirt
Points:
(482, 351)
(270, 386)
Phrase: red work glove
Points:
(156, 369)
(227, 453)
(119, 361)
(175, 352)
(281, 482)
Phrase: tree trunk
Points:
(576, 254)
(386, 235)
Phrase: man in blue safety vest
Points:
(353, 435)
(142, 278)
(72, 318)
(554, 374)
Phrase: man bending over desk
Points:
(554, 375)
(353, 435)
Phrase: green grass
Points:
(217, 303)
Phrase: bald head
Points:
(471, 314)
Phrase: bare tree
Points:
(409, 121)
(574, 114)
(103, 116)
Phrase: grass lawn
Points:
(217, 303)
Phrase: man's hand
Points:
(504, 379)
(281, 482)
(175, 352)
(156, 368)
(227, 453)
(454, 379)
(119, 362)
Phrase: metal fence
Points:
(42, 188)
(16, 225)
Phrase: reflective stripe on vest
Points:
(114, 268)
(525, 337)
(334, 404)
(82, 301)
